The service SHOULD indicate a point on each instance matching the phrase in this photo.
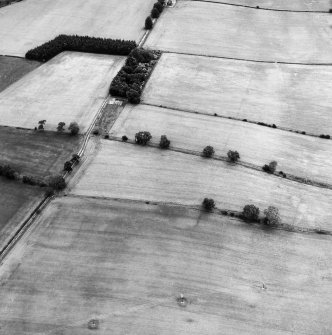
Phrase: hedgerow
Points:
(130, 80)
(88, 44)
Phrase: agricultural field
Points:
(296, 5)
(36, 153)
(13, 69)
(296, 154)
(46, 19)
(125, 264)
(291, 96)
(17, 201)
(212, 29)
(127, 171)
(70, 87)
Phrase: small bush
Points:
(164, 142)
(148, 23)
(133, 97)
(57, 183)
(74, 128)
(142, 137)
(124, 138)
(233, 156)
(272, 216)
(68, 166)
(271, 168)
(208, 204)
(107, 136)
(159, 6)
(208, 151)
(250, 213)
(155, 13)
(95, 131)
(327, 137)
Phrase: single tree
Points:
(233, 156)
(148, 23)
(57, 182)
(124, 138)
(250, 213)
(155, 13)
(60, 127)
(68, 166)
(164, 142)
(75, 158)
(208, 204)
(208, 151)
(74, 128)
(41, 124)
(142, 137)
(272, 216)
(271, 168)
(159, 6)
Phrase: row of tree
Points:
(73, 127)
(157, 9)
(61, 43)
(129, 81)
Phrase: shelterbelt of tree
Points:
(61, 43)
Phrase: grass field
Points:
(229, 31)
(125, 264)
(300, 5)
(20, 32)
(17, 201)
(300, 155)
(13, 69)
(70, 87)
(36, 153)
(292, 96)
(129, 171)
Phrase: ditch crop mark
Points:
(264, 8)
(247, 165)
(236, 215)
(299, 132)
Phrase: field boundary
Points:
(263, 8)
(257, 123)
(216, 211)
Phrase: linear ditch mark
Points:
(246, 59)
(247, 165)
(299, 132)
(264, 8)
(236, 215)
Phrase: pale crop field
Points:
(28, 24)
(292, 96)
(125, 264)
(70, 87)
(128, 171)
(300, 155)
(247, 33)
(297, 5)
(17, 201)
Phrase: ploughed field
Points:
(28, 24)
(128, 171)
(303, 156)
(17, 201)
(70, 87)
(292, 96)
(125, 264)
(214, 29)
(13, 69)
(296, 5)
(34, 153)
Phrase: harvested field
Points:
(296, 5)
(292, 96)
(247, 33)
(17, 201)
(129, 171)
(36, 153)
(13, 69)
(125, 264)
(46, 19)
(70, 87)
(300, 155)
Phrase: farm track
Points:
(233, 118)
(262, 8)
(247, 165)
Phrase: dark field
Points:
(36, 153)
(12, 69)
